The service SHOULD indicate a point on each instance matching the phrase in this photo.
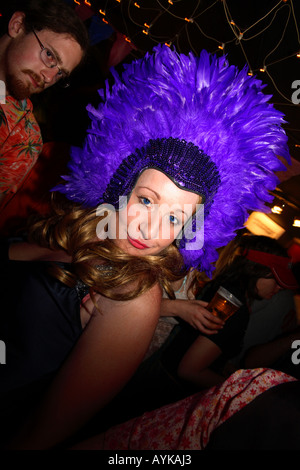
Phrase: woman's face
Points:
(267, 287)
(155, 214)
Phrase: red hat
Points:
(279, 265)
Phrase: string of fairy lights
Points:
(142, 17)
(240, 36)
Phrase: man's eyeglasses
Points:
(50, 60)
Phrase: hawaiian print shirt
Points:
(20, 144)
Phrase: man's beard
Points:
(20, 90)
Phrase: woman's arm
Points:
(193, 312)
(195, 365)
(107, 354)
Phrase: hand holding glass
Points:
(223, 304)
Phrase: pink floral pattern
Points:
(188, 424)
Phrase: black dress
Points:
(39, 325)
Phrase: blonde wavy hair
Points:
(100, 264)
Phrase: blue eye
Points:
(174, 220)
(145, 201)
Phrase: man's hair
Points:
(54, 15)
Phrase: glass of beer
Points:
(223, 304)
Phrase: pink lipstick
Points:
(137, 244)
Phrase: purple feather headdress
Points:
(227, 133)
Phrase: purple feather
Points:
(202, 100)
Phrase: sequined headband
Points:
(184, 163)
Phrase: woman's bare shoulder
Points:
(148, 302)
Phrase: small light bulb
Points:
(276, 209)
(296, 223)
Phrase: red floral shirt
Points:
(20, 144)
